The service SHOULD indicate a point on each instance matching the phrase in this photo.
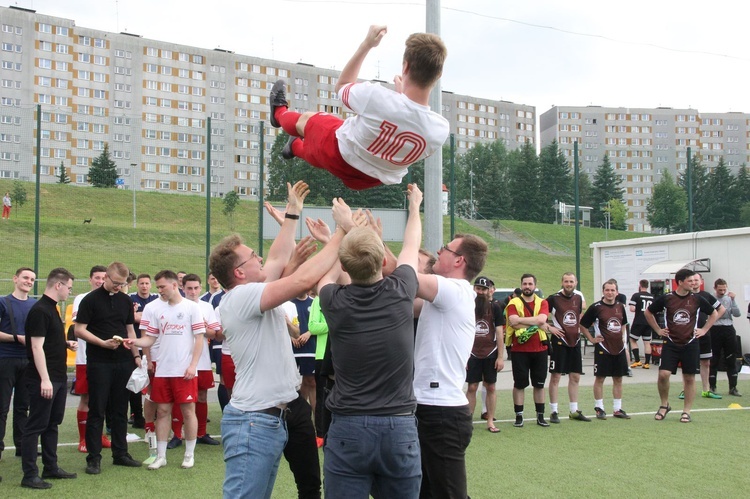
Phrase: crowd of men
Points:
(372, 320)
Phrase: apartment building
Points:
(170, 113)
(642, 143)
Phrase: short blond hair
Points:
(119, 269)
(474, 250)
(425, 54)
(361, 254)
(224, 259)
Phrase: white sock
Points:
(574, 407)
(617, 404)
(161, 449)
(552, 407)
(599, 403)
(190, 447)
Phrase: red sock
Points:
(288, 120)
(150, 427)
(82, 416)
(298, 148)
(177, 421)
(201, 412)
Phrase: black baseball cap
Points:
(484, 282)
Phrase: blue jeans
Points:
(376, 455)
(253, 443)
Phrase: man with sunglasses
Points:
(445, 337)
(106, 313)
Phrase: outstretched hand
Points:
(342, 214)
(374, 35)
(415, 196)
(276, 214)
(297, 194)
(318, 229)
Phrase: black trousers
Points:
(444, 435)
(723, 344)
(12, 374)
(45, 416)
(107, 386)
(301, 451)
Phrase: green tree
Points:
(667, 208)
(700, 194)
(481, 175)
(63, 177)
(18, 194)
(529, 202)
(556, 179)
(103, 171)
(741, 187)
(606, 187)
(230, 201)
(618, 214)
(721, 207)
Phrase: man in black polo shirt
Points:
(46, 381)
(103, 314)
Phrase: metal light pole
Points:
(132, 186)
(471, 190)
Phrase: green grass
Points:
(636, 458)
(171, 233)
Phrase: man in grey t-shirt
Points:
(370, 324)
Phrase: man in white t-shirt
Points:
(180, 327)
(255, 330)
(391, 129)
(445, 337)
(81, 388)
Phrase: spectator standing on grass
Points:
(487, 354)
(610, 321)
(140, 298)
(14, 309)
(526, 334)
(255, 331)
(724, 338)
(7, 205)
(639, 302)
(46, 381)
(565, 308)
(103, 314)
(705, 340)
(681, 308)
(445, 336)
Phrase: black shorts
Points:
(688, 355)
(606, 364)
(306, 365)
(564, 359)
(215, 355)
(482, 369)
(705, 346)
(529, 364)
(641, 331)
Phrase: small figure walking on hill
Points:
(6, 206)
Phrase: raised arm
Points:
(413, 233)
(282, 247)
(351, 71)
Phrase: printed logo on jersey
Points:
(681, 317)
(570, 319)
(482, 328)
(180, 316)
(614, 325)
(173, 329)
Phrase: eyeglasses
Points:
(115, 283)
(253, 256)
(446, 248)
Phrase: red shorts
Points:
(205, 380)
(174, 390)
(82, 380)
(321, 150)
(227, 371)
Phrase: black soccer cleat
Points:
(287, 152)
(277, 99)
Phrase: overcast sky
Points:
(641, 53)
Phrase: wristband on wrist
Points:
(291, 217)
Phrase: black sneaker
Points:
(277, 99)
(174, 443)
(734, 392)
(287, 152)
(579, 416)
(126, 460)
(207, 440)
(59, 473)
(619, 413)
(600, 414)
(519, 421)
(35, 483)
(540, 421)
(93, 467)
(554, 418)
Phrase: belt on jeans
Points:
(273, 411)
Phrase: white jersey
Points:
(150, 314)
(176, 327)
(259, 341)
(224, 345)
(445, 337)
(81, 350)
(209, 317)
(389, 132)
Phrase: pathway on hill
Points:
(507, 235)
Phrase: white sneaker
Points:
(151, 457)
(188, 461)
(159, 462)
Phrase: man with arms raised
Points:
(445, 336)
(253, 426)
(681, 308)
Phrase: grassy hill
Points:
(171, 233)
